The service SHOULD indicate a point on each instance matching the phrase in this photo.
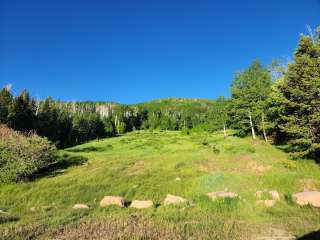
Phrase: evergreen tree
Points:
(6, 100)
(47, 123)
(301, 91)
(22, 113)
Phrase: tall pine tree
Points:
(301, 91)
(6, 100)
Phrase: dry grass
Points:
(141, 228)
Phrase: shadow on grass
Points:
(7, 218)
(65, 161)
(290, 150)
(90, 149)
(311, 236)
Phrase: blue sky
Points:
(132, 51)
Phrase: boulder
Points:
(140, 204)
(267, 203)
(309, 197)
(274, 195)
(80, 206)
(221, 194)
(171, 199)
(112, 200)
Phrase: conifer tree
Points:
(301, 91)
(22, 113)
(6, 100)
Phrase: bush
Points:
(23, 155)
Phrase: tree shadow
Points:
(90, 149)
(4, 218)
(311, 236)
(289, 150)
(65, 161)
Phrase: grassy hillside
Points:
(150, 165)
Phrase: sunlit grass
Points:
(145, 165)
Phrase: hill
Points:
(148, 165)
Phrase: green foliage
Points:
(22, 114)
(300, 99)
(21, 156)
(250, 90)
(6, 100)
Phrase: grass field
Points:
(146, 165)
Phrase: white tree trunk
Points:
(252, 127)
(263, 128)
(224, 131)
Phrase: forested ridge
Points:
(279, 103)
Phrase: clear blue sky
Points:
(132, 51)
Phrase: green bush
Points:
(23, 155)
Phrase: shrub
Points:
(215, 150)
(23, 155)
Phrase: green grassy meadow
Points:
(146, 165)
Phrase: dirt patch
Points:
(208, 166)
(256, 168)
(242, 158)
(136, 169)
(275, 234)
(308, 184)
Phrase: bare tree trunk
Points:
(116, 123)
(252, 127)
(224, 131)
(263, 128)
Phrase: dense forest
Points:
(279, 102)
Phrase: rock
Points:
(274, 195)
(141, 204)
(221, 194)
(112, 200)
(80, 206)
(267, 203)
(304, 198)
(171, 199)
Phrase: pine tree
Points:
(22, 113)
(6, 100)
(47, 123)
(301, 91)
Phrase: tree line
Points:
(279, 103)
